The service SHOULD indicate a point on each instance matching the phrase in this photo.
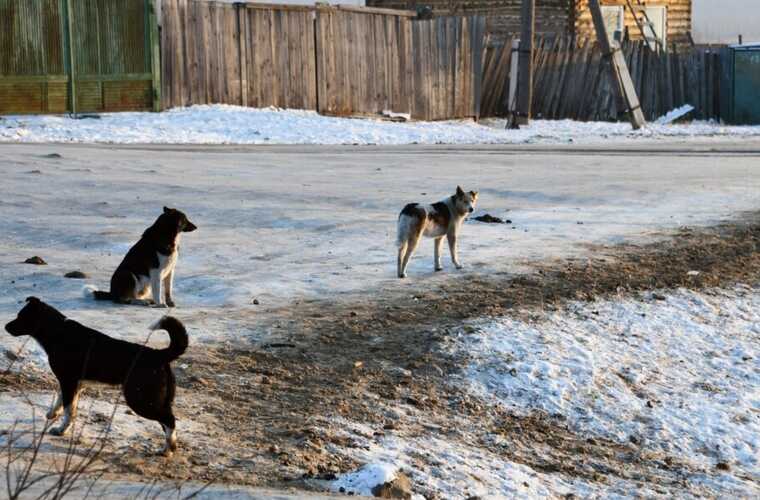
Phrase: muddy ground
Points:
(269, 410)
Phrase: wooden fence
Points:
(339, 61)
(572, 81)
(248, 55)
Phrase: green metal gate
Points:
(746, 105)
(60, 56)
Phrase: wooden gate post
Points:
(69, 44)
(525, 73)
(621, 77)
(155, 52)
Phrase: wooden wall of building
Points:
(502, 16)
(678, 19)
(552, 16)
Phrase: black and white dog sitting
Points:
(148, 267)
(78, 354)
(440, 219)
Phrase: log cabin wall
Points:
(502, 16)
(552, 16)
(678, 19)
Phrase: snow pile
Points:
(677, 374)
(222, 124)
(364, 480)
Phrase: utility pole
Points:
(621, 77)
(525, 73)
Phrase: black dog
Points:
(148, 267)
(78, 354)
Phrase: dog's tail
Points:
(90, 291)
(177, 334)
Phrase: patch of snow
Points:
(364, 480)
(223, 124)
(680, 376)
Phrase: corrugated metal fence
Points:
(341, 61)
(84, 56)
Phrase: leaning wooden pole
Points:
(522, 115)
(621, 77)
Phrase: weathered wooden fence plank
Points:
(570, 81)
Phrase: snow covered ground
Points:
(279, 224)
(221, 124)
(677, 373)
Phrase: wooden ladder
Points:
(646, 24)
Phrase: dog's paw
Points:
(52, 415)
(59, 431)
(440, 268)
(459, 266)
(170, 303)
(159, 306)
(168, 450)
(402, 275)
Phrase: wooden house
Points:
(667, 20)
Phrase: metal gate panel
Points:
(32, 72)
(110, 48)
(747, 86)
(78, 56)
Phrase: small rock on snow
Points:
(77, 275)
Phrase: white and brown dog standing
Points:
(440, 219)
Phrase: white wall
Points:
(722, 21)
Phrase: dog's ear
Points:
(474, 194)
(33, 300)
(460, 192)
(167, 210)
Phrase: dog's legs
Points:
(155, 285)
(169, 425)
(437, 245)
(411, 246)
(452, 237)
(401, 253)
(70, 399)
(168, 285)
(56, 408)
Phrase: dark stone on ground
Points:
(11, 355)
(489, 219)
(77, 275)
(36, 260)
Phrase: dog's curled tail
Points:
(177, 334)
(90, 291)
